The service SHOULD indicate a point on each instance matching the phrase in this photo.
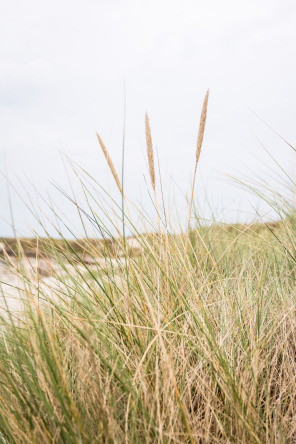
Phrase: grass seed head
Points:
(150, 151)
(110, 163)
(202, 124)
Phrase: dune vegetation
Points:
(161, 337)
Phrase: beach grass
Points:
(165, 337)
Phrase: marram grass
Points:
(112, 351)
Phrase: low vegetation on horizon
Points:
(161, 337)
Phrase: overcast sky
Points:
(63, 69)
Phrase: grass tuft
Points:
(108, 346)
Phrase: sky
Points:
(66, 66)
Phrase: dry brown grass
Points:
(214, 365)
(189, 340)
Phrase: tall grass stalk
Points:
(202, 125)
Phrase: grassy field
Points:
(189, 338)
